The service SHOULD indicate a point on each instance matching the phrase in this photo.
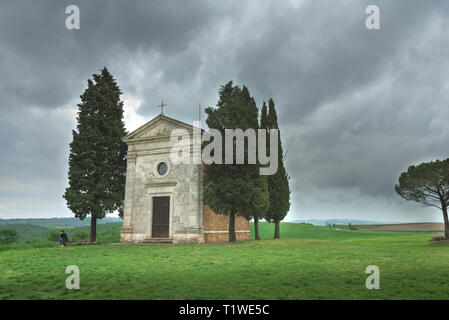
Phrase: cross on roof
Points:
(162, 105)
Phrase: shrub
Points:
(53, 235)
(351, 227)
(80, 235)
(8, 236)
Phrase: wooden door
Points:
(161, 217)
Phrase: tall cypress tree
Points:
(258, 215)
(234, 189)
(264, 116)
(278, 185)
(97, 164)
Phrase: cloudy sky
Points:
(356, 106)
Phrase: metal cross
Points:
(162, 105)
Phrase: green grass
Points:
(309, 262)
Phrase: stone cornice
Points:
(161, 184)
(148, 139)
(131, 155)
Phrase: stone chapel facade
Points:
(163, 201)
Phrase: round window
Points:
(162, 168)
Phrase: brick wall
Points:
(220, 223)
(224, 237)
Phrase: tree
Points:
(258, 202)
(427, 183)
(352, 227)
(264, 116)
(8, 236)
(234, 189)
(278, 185)
(97, 164)
(258, 215)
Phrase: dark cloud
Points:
(356, 106)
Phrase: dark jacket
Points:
(64, 237)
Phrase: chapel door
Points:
(161, 217)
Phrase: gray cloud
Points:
(356, 106)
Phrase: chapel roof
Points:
(153, 122)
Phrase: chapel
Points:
(163, 200)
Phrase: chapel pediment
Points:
(161, 126)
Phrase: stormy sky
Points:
(356, 107)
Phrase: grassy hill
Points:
(419, 226)
(27, 231)
(63, 222)
(34, 234)
(309, 262)
(309, 231)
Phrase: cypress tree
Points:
(278, 185)
(263, 116)
(234, 189)
(97, 163)
(258, 215)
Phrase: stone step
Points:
(158, 240)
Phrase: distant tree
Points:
(97, 162)
(278, 185)
(8, 236)
(352, 227)
(427, 183)
(234, 189)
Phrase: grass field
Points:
(310, 262)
